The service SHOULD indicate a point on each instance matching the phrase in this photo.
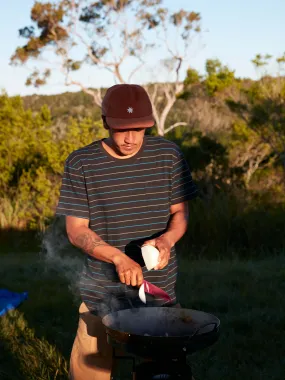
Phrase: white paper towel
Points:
(150, 255)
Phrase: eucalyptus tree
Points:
(68, 35)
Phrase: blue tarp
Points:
(10, 300)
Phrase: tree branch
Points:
(135, 70)
(180, 123)
(152, 99)
(180, 59)
(170, 101)
(97, 96)
(118, 74)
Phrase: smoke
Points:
(60, 256)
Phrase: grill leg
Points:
(116, 359)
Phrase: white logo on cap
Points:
(130, 110)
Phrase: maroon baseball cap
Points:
(127, 106)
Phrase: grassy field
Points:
(248, 297)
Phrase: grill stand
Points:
(167, 368)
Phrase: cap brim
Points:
(141, 122)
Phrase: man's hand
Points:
(129, 272)
(164, 247)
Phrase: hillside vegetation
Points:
(234, 142)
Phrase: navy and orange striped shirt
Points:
(127, 201)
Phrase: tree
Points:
(25, 184)
(218, 76)
(22, 136)
(247, 151)
(32, 161)
(109, 34)
(264, 108)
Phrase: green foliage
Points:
(77, 105)
(261, 60)
(81, 33)
(36, 80)
(32, 161)
(235, 223)
(51, 27)
(10, 213)
(261, 63)
(38, 191)
(264, 112)
(78, 134)
(188, 20)
(246, 158)
(23, 137)
(48, 18)
(247, 151)
(218, 77)
(192, 77)
(25, 141)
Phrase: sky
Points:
(233, 31)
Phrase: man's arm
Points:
(178, 222)
(83, 237)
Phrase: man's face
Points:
(128, 141)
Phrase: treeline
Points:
(234, 142)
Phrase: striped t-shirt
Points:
(127, 201)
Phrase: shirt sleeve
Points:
(183, 188)
(73, 198)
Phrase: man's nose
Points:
(130, 137)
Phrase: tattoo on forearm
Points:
(88, 243)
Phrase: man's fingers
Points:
(139, 278)
(149, 242)
(162, 261)
(134, 278)
(131, 276)
(122, 277)
(128, 277)
(161, 256)
(163, 264)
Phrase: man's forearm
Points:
(177, 227)
(87, 240)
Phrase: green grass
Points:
(247, 296)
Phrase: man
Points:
(117, 194)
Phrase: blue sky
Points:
(234, 32)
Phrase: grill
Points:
(162, 337)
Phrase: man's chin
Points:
(127, 151)
(124, 153)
